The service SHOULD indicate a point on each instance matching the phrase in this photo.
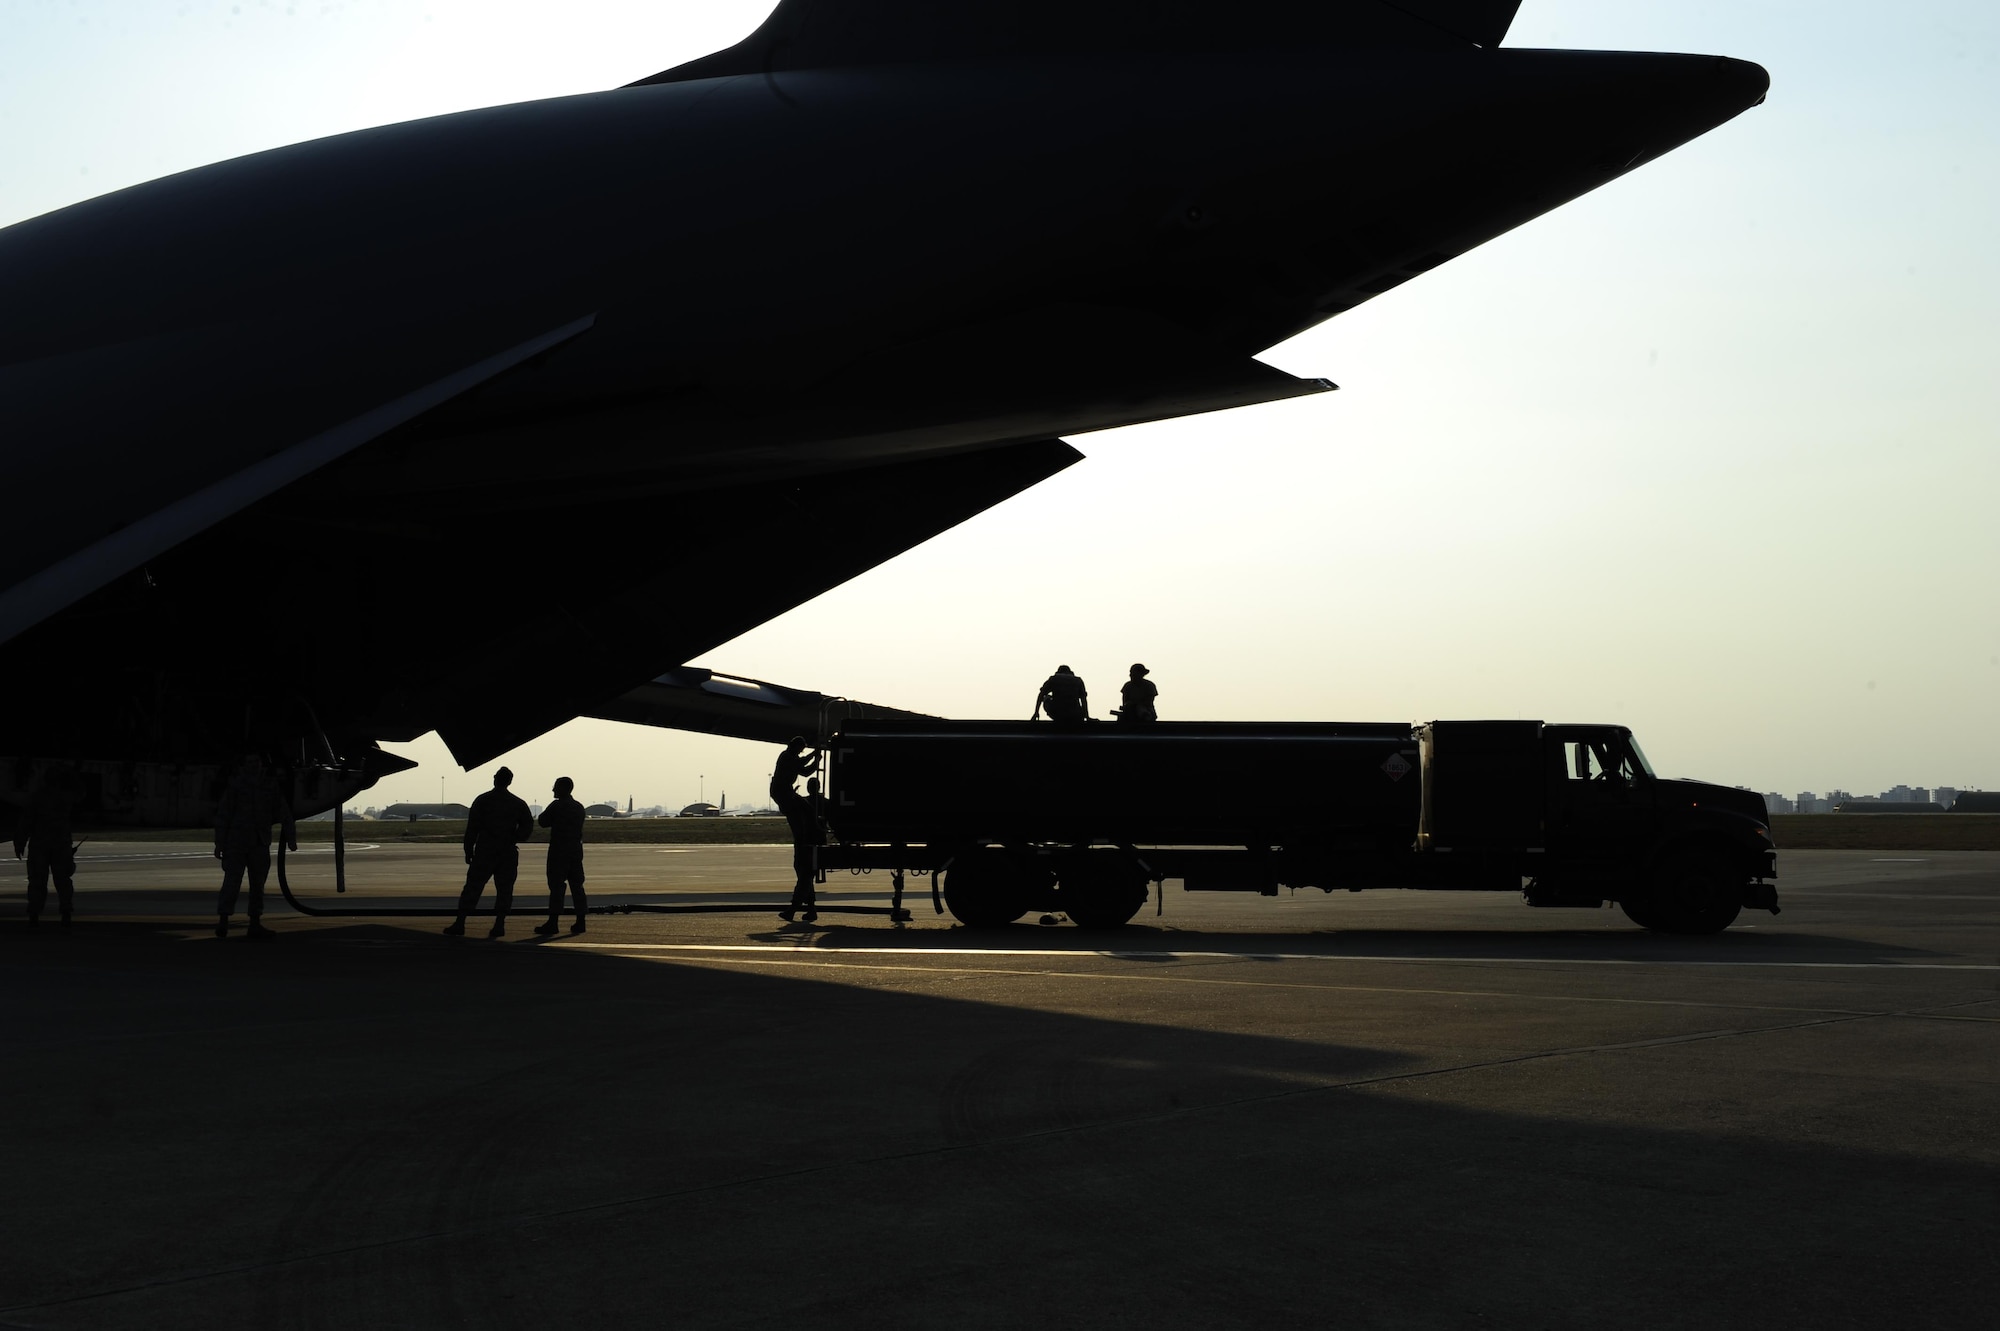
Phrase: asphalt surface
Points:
(1389, 1109)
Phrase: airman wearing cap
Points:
(1139, 693)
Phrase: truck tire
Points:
(1690, 894)
(985, 890)
(1103, 890)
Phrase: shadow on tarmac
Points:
(374, 1126)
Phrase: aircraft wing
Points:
(691, 698)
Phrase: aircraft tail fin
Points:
(819, 34)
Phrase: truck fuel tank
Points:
(1165, 783)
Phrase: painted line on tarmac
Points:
(209, 854)
(1127, 955)
(1892, 896)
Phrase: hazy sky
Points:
(1710, 452)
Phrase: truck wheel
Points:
(1105, 892)
(1695, 894)
(983, 890)
(1643, 912)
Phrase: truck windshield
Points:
(1639, 755)
(1611, 759)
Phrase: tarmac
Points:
(1385, 1109)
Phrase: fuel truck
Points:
(1011, 817)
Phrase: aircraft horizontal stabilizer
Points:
(823, 34)
(691, 698)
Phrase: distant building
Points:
(1807, 802)
(413, 813)
(600, 810)
(1776, 803)
(701, 811)
(1944, 795)
(1906, 795)
(1977, 801)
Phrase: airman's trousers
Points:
(502, 866)
(805, 864)
(40, 869)
(566, 872)
(236, 861)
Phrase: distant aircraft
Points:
(860, 271)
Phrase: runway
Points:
(1386, 1109)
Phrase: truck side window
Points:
(1601, 760)
(1578, 761)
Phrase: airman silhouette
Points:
(564, 818)
(1139, 693)
(796, 761)
(803, 813)
(494, 830)
(44, 837)
(250, 806)
(1064, 698)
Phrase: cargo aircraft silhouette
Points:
(861, 270)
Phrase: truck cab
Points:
(1678, 856)
(1601, 795)
(1581, 813)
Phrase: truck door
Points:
(1601, 801)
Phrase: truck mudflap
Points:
(1561, 895)
(1761, 896)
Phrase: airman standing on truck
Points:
(1064, 698)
